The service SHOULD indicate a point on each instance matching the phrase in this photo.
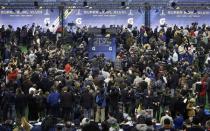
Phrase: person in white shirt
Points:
(167, 116)
(32, 57)
(137, 81)
(175, 57)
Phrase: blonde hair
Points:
(25, 124)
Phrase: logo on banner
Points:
(47, 21)
(47, 12)
(78, 21)
(93, 48)
(110, 48)
(162, 13)
(130, 21)
(162, 21)
(130, 12)
(78, 12)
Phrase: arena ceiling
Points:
(97, 4)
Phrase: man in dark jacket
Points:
(67, 102)
(6, 104)
(195, 125)
(113, 100)
(54, 100)
(20, 103)
(87, 103)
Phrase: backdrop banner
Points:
(102, 45)
(19, 18)
(179, 17)
(88, 17)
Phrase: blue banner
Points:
(179, 17)
(102, 45)
(89, 17)
(19, 17)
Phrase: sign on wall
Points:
(20, 17)
(102, 45)
(179, 17)
(86, 17)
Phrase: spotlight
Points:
(85, 4)
(2, 7)
(122, 3)
(36, 4)
(173, 5)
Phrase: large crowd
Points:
(159, 80)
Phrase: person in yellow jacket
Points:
(23, 125)
(191, 109)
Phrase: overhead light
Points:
(40, 7)
(127, 7)
(85, 4)
(173, 5)
(90, 7)
(123, 4)
(2, 7)
(36, 4)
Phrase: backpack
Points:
(99, 100)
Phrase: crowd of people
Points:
(159, 80)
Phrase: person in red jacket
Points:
(67, 68)
(12, 74)
(202, 93)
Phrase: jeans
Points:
(87, 113)
(202, 100)
(54, 110)
(67, 113)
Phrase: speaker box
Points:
(36, 3)
(103, 31)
